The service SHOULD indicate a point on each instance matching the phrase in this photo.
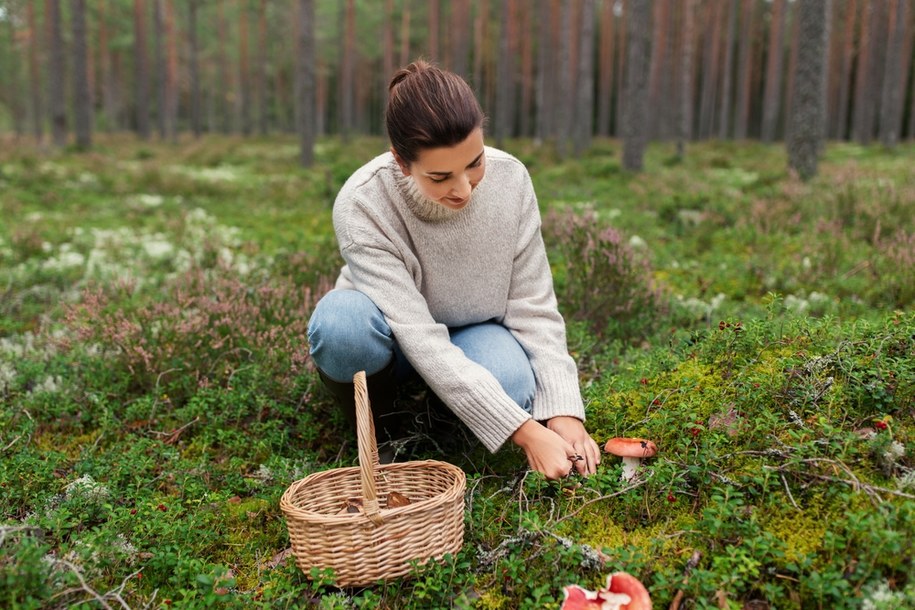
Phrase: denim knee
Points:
(347, 333)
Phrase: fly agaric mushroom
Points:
(623, 592)
(632, 450)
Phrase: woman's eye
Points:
(438, 180)
(477, 163)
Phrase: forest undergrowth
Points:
(157, 398)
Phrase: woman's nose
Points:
(463, 187)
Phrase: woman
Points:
(446, 275)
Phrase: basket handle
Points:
(368, 448)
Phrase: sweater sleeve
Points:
(470, 390)
(533, 317)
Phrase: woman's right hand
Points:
(546, 451)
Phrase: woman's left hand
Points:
(573, 431)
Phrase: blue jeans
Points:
(347, 333)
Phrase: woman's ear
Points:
(404, 166)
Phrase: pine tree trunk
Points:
(710, 71)
(744, 70)
(479, 44)
(621, 58)
(460, 41)
(171, 71)
(893, 77)
(808, 109)
(724, 111)
(564, 107)
(659, 44)
(505, 69)
(544, 74)
(848, 47)
(13, 76)
(194, 68)
(584, 123)
(159, 53)
(527, 68)
(261, 86)
(636, 113)
(305, 82)
(225, 80)
(35, 74)
(387, 36)
(686, 78)
(347, 70)
(81, 95)
(773, 91)
(432, 30)
(104, 54)
(605, 70)
(244, 70)
(405, 34)
(57, 74)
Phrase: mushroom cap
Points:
(631, 447)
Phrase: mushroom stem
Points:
(630, 466)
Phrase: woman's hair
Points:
(429, 108)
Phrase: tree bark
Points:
(544, 74)
(564, 108)
(432, 29)
(636, 115)
(584, 123)
(13, 74)
(686, 78)
(244, 69)
(621, 67)
(387, 36)
(724, 111)
(305, 82)
(460, 39)
(710, 70)
(605, 70)
(171, 71)
(57, 75)
(848, 48)
(35, 74)
(505, 92)
(773, 90)
(808, 109)
(159, 51)
(527, 68)
(405, 34)
(261, 73)
(347, 71)
(659, 48)
(745, 69)
(104, 55)
(893, 77)
(225, 90)
(194, 68)
(82, 97)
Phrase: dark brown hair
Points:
(429, 108)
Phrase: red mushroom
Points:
(623, 592)
(632, 450)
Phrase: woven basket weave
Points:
(377, 543)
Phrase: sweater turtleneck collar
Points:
(423, 207)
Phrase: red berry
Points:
(695, 432)
(656, 401)
(133, 511)
(880, 425)
(162, 507)
(643, 381)
(671, 498)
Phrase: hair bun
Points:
(416, 67)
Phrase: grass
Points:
(157, 398)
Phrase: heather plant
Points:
(603, 280)
(204, 328)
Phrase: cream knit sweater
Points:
(428, 268)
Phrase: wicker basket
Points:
(377, 542)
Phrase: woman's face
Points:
(447, 175)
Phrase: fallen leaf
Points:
(280, 558)
(396, 500)
(352, 505)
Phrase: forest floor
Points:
(156, 396)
